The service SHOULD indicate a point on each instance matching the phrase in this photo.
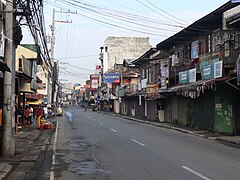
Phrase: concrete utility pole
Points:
(8, 143)
(55, 64)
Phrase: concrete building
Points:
(116, 49)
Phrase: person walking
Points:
(27, 116)
(45, 111)
(39, 116)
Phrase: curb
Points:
(219, 139)
(5, 169)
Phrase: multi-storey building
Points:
(191, 78)
(114, 51)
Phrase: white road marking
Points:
(89, 117)
(94, 119)
(113, 130)
(101, 123)
(53, 160)
(134, 140)
(54, 152)
(195, 172)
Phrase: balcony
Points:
(131, 88)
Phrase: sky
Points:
(82, 31)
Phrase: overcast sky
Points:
(92, 21)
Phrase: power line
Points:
(158, 12)
(76, 57)
(115, 25)
(165, 11)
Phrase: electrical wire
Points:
(158, 12)
(166, 12)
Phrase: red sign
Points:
(94, 81)
(98, 67)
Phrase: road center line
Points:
(113, 130)
(134, 140)
(195, 172)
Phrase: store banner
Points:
(111, 78)
(163, 83)
(192, 75)
(235, 1)
(207, 72)
(194, 50)
(183, 77)
(218, 66)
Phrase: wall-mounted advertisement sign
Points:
(94, 81)
(212, 70)
(183, 77)
(111, 78)
(218, 69)
(2, 44)
(207, 72)
(165, 72)
(188, 76)
(192, 75)
(194, 50)
(235, 1)
(163, 83)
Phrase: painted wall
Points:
(226, 99)
(116, 49)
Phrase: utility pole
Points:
(55, 64)
(8, 143)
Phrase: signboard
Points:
(2, 44)
(235, 1)
(192, 75)
(211, 70)
(121, 92)
(94, 84)
(194, 50)
(183, 77)
(165, 72)
(218, 69)
(207, 72)
(98, 67)
(94, 81)
(111, 78)
(163, 83)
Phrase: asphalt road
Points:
(93, 145)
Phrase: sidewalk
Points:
(229, 140)
(30, 143)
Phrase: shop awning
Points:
(37, 102)
(195, 89)
(194, 86)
